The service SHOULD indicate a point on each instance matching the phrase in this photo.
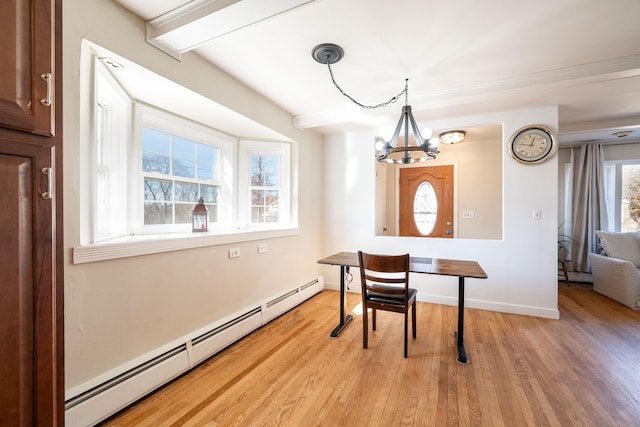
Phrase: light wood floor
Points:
(582, 370)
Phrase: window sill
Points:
(146, 245)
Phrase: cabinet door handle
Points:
(49, 193)
(47, 78)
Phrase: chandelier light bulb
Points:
(426, 133)
(434, 142)
(379, 144)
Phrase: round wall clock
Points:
(532, 144)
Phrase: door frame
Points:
(454, 164)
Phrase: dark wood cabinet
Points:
(27, 74)
(27, 326)
(31, 263)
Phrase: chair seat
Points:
(391, 299)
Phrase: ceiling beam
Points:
(197, 22)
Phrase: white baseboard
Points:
(91, 402)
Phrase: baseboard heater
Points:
(96, 400)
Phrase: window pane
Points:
(184, 168)
(630, 200)
(256, 214)
(264, 206)
(184, 148)
(209, 193)
(425, 208)
(265, 171)
(207, 162)
(156, 141)
(184, 212)
(213, 213)
(207, 154)
(186, 192)
(154, 162)
(257, 198)
(157, 213)
(270, 213)
(158, 190)
(271, 197)
(205, 171)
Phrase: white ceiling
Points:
(462, 57)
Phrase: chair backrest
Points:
(384, 274)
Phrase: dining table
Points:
(438, 266)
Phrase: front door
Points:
(426, 201)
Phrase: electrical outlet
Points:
(537, 215)
(262, 248)
(468, 214)
(234, 252)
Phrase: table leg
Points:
(344, 319)
(462, 354)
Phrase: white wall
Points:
(116, 311)
(522, 267)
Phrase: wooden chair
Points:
(385, 286)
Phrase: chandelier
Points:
(415, 146)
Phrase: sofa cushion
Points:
(621, 245)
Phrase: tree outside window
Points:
(265, 188)
(177, 171)
(630, 200)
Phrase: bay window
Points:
(149, 167)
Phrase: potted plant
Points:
(564, 243)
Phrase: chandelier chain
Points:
(405, 91)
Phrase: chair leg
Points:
(413, 315)
(373, 312)
(365, 328)
(406, 333)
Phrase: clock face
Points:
(532, 144)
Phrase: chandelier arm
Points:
(406, 111)
(416, 130)
(368, 107)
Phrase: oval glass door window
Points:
(425, 208)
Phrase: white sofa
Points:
(616, 273)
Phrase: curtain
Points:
(589, 210)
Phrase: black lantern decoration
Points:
(200, 217)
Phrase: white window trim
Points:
(115, 150)
(130, 246)
(146, 115)
(613, 191)
(277, 149)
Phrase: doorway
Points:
(426, 201)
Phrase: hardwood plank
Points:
(581, 370)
